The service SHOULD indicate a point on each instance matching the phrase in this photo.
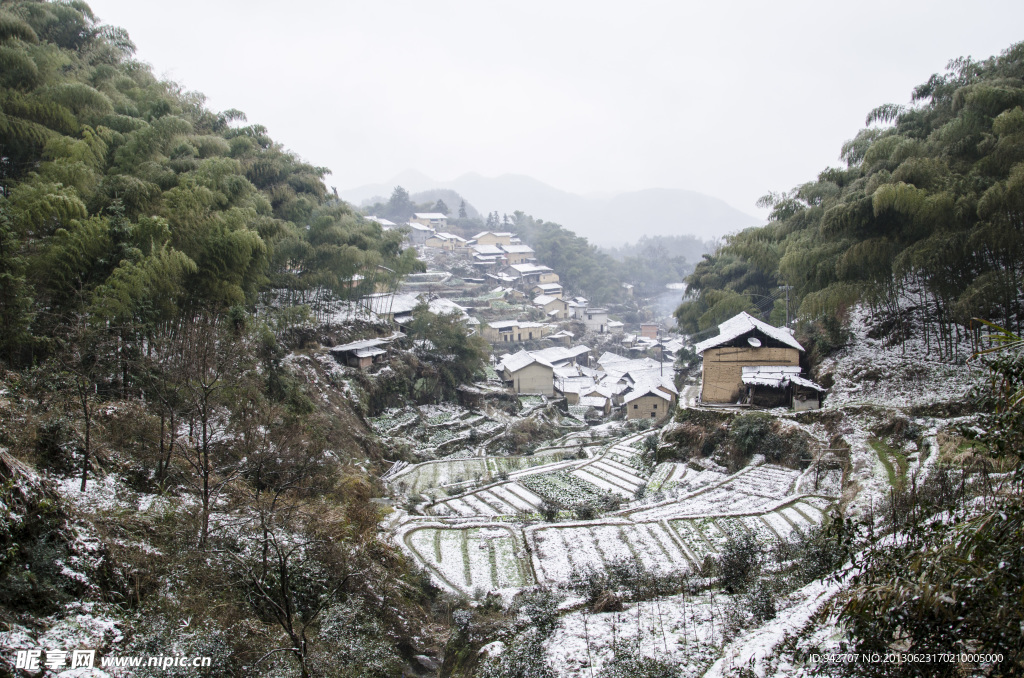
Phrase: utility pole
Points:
(787, 288)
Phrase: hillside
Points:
(601, 220)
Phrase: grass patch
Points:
(894, 461)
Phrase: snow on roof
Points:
(774, 376)
(743, 323)
(575, 384)
(358, 345)
(522, 324)
(517, 249)
(404, 303)
(523, 269)
(502, 234)
(547, 287)
(489, 250)
(644, 378)
(366, 343)
(368, 352)
(558, 354)
(518, 361)
(429, 215)
(599, 390)
(800, 381)
(615, 323)
(593, 401)
(608, 358)
(545, 299)
(672, 345)
(381, 221)
(420, 227)
(449, 236)
(566, 371)
(649, 389)
(561, 335)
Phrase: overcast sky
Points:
(727, 98)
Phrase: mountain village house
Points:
(432, 219)
(492, 238)
(553, 307)
(448, 242)
(550, 289)
(753, 362)
(533, 274)
(418, 233)
(507, 331)
(648, 402)
(364, 353)
(527, 374)
(518, 254)
(596, 319)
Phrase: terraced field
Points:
(444, 472)
(486, 557)
(752, 490)
(502, 499)
(477, 540)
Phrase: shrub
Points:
(629, 663)
(57, 445)
(739, 562)
(761, 601)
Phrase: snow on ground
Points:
(686, 627)
(868, 372)
(756, 650)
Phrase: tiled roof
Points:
(743, 323)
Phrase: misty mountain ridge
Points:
(603, 218)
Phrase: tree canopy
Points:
(123, 197)
(926, 216)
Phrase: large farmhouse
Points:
(743, 341)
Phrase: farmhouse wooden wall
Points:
(723, 369)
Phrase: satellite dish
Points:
(754, 341)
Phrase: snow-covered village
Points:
(252, 424)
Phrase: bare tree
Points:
(290, 554)
(209, 361)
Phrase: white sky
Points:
(732, 99)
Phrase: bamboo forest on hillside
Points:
(254, 426)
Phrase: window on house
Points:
(636, 407)
(655, 406)
(653, 416)
(531, 335)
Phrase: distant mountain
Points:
(605, 219)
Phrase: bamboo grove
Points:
(126, 203)
(925, 222)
